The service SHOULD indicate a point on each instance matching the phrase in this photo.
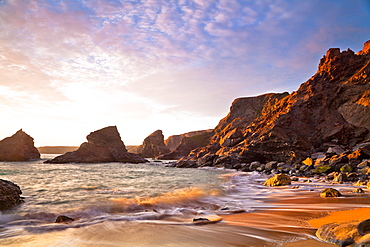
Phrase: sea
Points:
(107, 195)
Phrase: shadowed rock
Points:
(9, 195)
(153, 145)
(330, 192)
(18, 147)
(104, 145)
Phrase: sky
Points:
(70, 67)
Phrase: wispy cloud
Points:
(138, 62)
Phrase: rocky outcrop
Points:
(18, 147)
(56, 149)
(153, 146)
(9, 195)
(174, 141)
(331, 109)
(104, 145)
(187, 144)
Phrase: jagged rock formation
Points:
(9, 195)
(153, 146)
(18, 147)
(174, 141)
(331, 108)
(187, 144)
(104, 145)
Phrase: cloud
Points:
(140, 62)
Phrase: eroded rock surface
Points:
(104, 145)
(9, 195)
(18, 147)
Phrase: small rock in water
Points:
(278, 180)
(63, 219)
(358, 190)
(330, 192)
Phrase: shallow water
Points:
(109, 197)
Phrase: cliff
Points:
(104, 145)
(187, 144)
(18, 147)
(174, 141)
(152, 146)
(332, 107)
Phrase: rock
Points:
(9, 195)
(368, 184)
(358, 190)
(104, 145)
(63, 219)
(18, 147)
(331, 107)
(346, 168)
(330, 192)
(346, 233)
(278, 180)
(174, 141)
(187, 145)
(308, 161)
(363, 164)
(153, 145)
(339, 177)
(271, 165)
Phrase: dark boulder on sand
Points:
(18, 147)
(104, 145)
(9, 195)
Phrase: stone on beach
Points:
(330, 192)
(346, 233)
(9, 195)
(278, 180)
(63, 219)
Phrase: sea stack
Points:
(104, 145)
(18, 147)
(153, 145)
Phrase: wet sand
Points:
(293, 223)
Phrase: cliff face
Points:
(187, 144)
(174, 141)
(104, 145)
(333, 106)
(18, 147)
(153, 145)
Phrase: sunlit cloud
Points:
(70, 67)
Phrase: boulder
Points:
(9, 195)
(346, 233)
(104, 145)
(63, 219)
(278, 180)
(153, 145)
(330, 192)
(18, 147)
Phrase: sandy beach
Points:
(294, 223)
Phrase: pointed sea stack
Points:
(104, 145)
(18, 147)
(153, 145)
